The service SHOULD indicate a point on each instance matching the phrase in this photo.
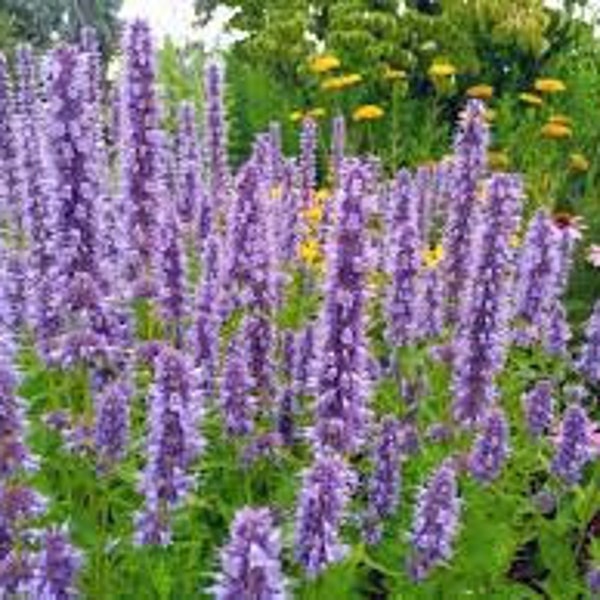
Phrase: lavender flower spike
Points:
(589, 363)
(325, 493)
(539, 408)
(384, 487)
(435, 522)
(251, 563)
(341, 411)
(573, 446)
(491, 448)
(57, 569)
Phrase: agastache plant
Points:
(341, 387)
(321, 510)
(491, 447)
(435, 522)
(482, 331)
(573, 445)
(589, 361)
(468, 167)
(251, 560)
(538, 405)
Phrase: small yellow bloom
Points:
(313, 215)
(310, 251)
(515, 241)
(561, 120)
(556, 131)
(296, 116)
(531, 99)
(276, 192)
(322, 195)
(442, 69)
(481, 92)
(316, 113)
(341, 82)
(393, 74)
(550, 86)
(433, 256)
(498, 160)
(579, 163)
(324, 63)
(368, 112)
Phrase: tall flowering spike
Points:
(589, 362)
(342, 380)
(205, 330)
(557, 332)
(491, 448)
(58, 566)
(171, 276)
(304, 360)
(430, 309)
(326, 489)
(308, 162)
(141, 148)
(112, 423)
(573, 449)
(276, 157)
(384, 485)
(403, 251)
(338, 147)
(480, 342)
(469, 166)
(435, 522)
(538, 278)
(424, 206)
(237, 402)
(251, 560)
(191, 200)
(173, 443)
(14, 455)
(538, 405)
(215, 138)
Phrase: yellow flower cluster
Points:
(481, 91)
(442, 69)
(393, 74)
(531, 99)
(368, 112)
(313, 113)
(561, 120)
(324, 63)
(550, 86)
(310, 250)
(334, 84)
(579, 163)
(556, 131)
(433, 256)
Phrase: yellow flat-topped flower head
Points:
(324, 63)
(549, 86)
(390, 74)
(556, 131)
(481, 91)
(561, 120)
(341, 82)
(441, 69)
(310, 252)
(322, 195)
(313, 215)
(316, 113)
(296, 116)
(433, 256)
(531, 99)
(515, 241)
(579, 163)
(368, 112)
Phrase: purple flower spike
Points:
(308, 161)
(321, 509)
(341, 412)
(573, 446)
(481, 338)
(469, 166)
(403, 248)
(173, 444)
(251, 561)
(384, 487)
(430, 308)
(237, 403)
(112, 423)
(58, 565)
(338, 147)
(539, 408)
(141, 148)
(589, 362)
(491, 448)
(435, 522)
(538, 278)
